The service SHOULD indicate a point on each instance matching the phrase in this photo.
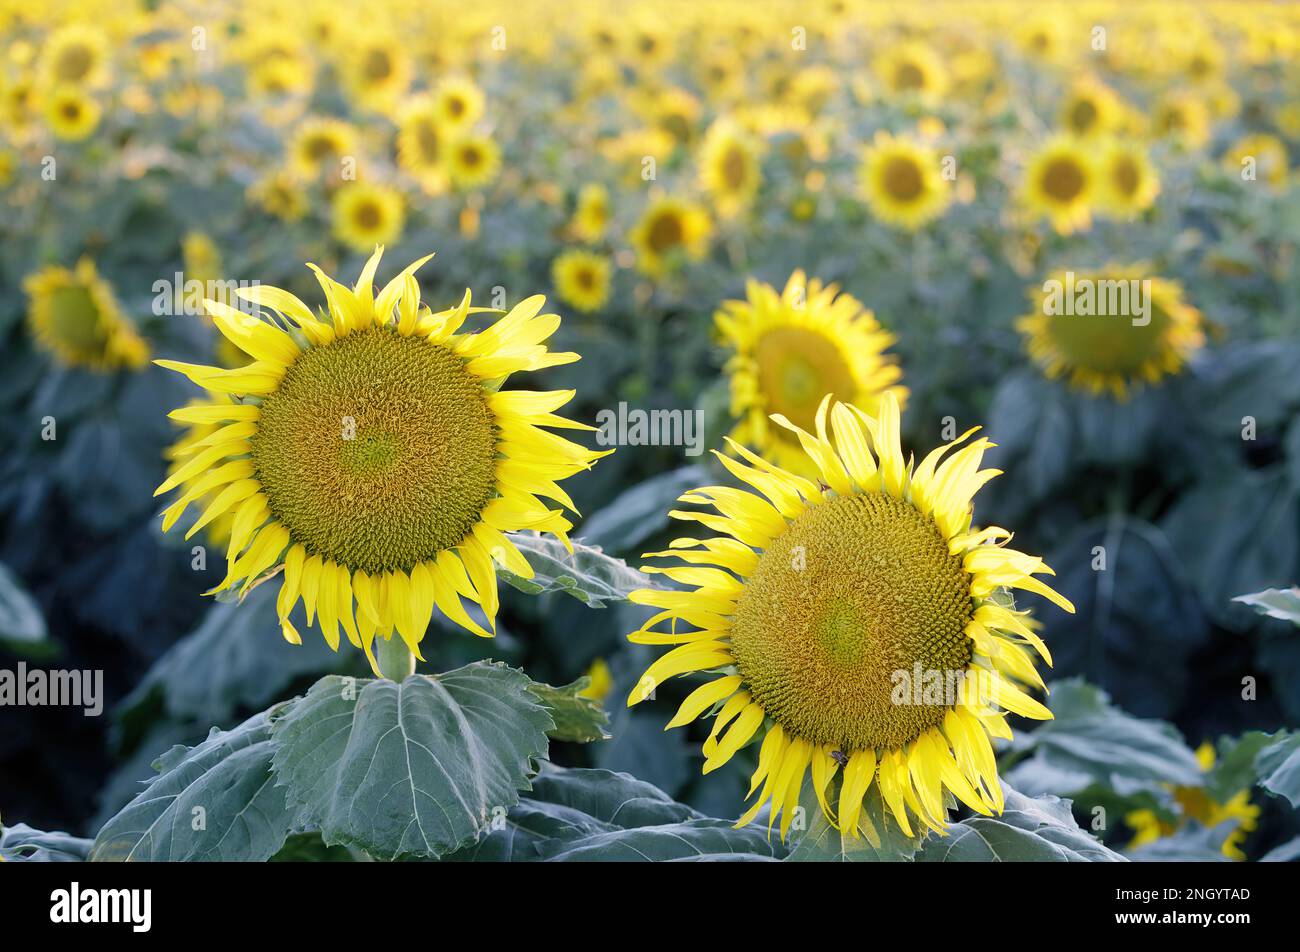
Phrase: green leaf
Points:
(577, 718)
(22, 844)
(1040, 829)
(588, 574)
(418, 768)
(1278, 766)
(224, 787)
(1288, 852)
(1234, 765)
(1283, 603)
(1091, 739)
(22, 627)
(597, 815)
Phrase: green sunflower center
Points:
(1107, 339)
(666, 232)
(1063, 179)
(1083, 115)
(903, 179)
(75, 321)
(377, 451)
(796, 369)
(840, 611)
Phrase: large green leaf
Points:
(215, 802)
(20, 843)
(418, 768)
(1040, 829)
(577, 718)
(1191, 844)
(1283, 603)
(588, 574)
(22, 627)
(1278, 765)
(1094, 741)
(598, 815)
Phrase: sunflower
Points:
(1102, 342)
(71, 113)
(194, 437)
(201, 257)
(1090, 108)
(366, 214)
(473, 161)
(902, 182)
(1196, 804)
(825, 595)
(582, 279)
(912, 68)
(459, 102)
(1183, 117)
(669, 230)
(75, 316)
(591, 215)
(1060, 184)
(1127, 181)
(1267, 155)
(372, 458)
(75, 55)
(422, 142)
(792, 349)
(319, 145)
(279, 194)
(729, 167)
(376, 69)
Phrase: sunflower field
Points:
(709, 430)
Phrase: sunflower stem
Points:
(395, 660)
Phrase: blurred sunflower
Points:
(421, 143)
(319, 145)
(582, 279)
(1127, 181)
(911, 67)
(1090, 108)
(75, 317)
(1061, 184)
(902, 182)
(1108, 345)
(820, 595)
(790, 350)
(591, 214)
(376, 69)
(278, 193)
(75, 55)
(1184, 118)
(367, 214)
(729, 167)
(669, 230)
(372, 458)
(473, 161)
(1196, 804)
(458, 101)
(71, 113)
(1263, 155)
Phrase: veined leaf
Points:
(577, 718)
(1283, 603)
(588, 574)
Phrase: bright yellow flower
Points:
(1127, 181)
(1183, 117)
(582, 279)
(1091, 108)
(75, 55)
(75, 317)
(591, 216)
(1061, 184)
(1261, 156)
(669, 230)
(376, 69)
(729, 167)
(71, 113)
(911, 67)
(367, 214)
(473, 161)
(822, 600)
(422, 142)
(793, 348)
(1101, 341)
(319, 146)
(370, 460)
(459, 102)
(903, 183)
(279, 194)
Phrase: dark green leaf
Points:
(577, 718)
(587, 573)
